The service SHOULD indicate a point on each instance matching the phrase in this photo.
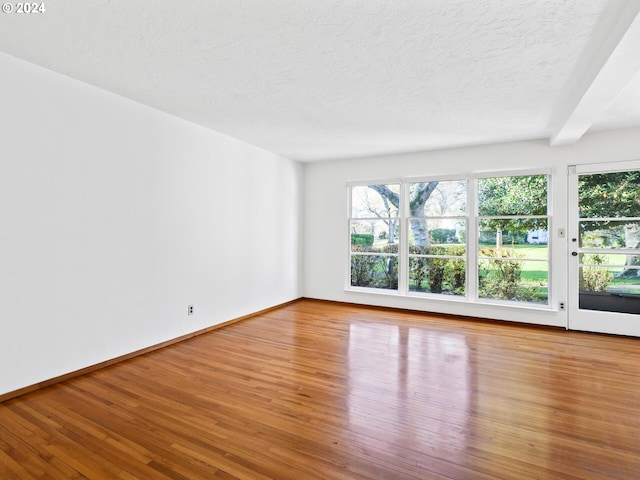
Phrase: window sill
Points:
(436, 297)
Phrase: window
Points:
(374, 235)
(513, 250)
(413, 237)
(437, 237)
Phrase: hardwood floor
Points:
(317, 390)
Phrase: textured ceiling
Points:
(316, 80)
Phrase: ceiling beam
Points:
(615, 62)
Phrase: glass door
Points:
(604, 248)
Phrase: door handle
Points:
(575, 254)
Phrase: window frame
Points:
(407, 218)
(351, 218)
(472, 223)
(549, 218)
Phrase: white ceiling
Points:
(325, 79)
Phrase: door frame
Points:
(591, 320)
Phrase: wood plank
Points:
(320, 390)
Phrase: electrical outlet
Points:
(190, 310)
(562, 306)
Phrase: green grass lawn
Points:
(626, 281)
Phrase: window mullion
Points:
(472, 239)
(403, 247)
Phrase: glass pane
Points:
(610, 195)
(610, 273)
(514, 280)
(438, 199)
(526, 195)
(437, 275)
(610, 234)
(429, 232)
(375, 235)
(515, 238)
(374, 271)
(605, 259)
(375, 201)
(610, 289)
(597, 279)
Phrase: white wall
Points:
(114, 217)
(326, 229)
